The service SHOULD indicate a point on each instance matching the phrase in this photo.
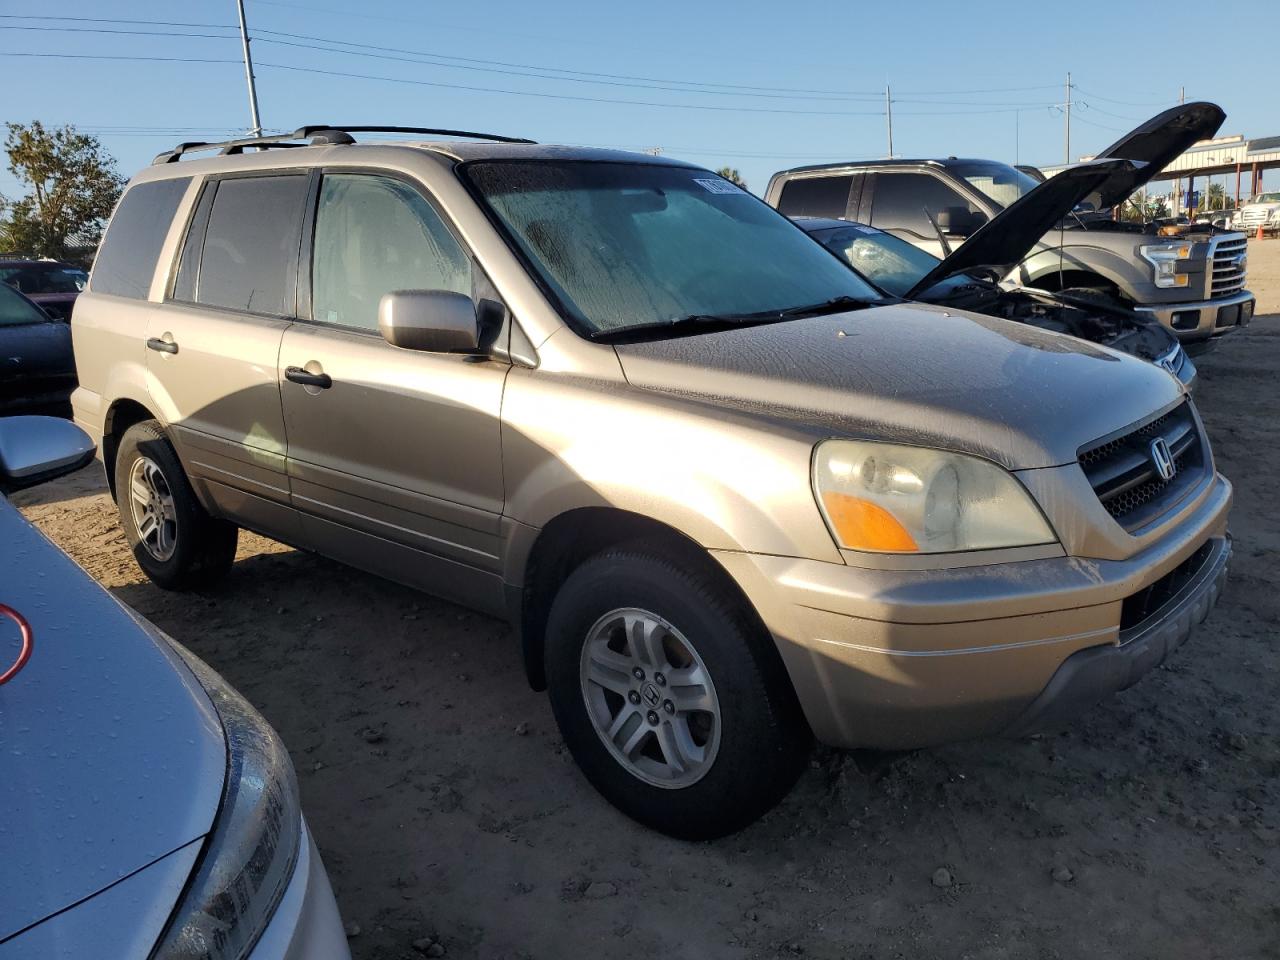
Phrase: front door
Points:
(394, 456)
(213, 347)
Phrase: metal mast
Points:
(248, 72)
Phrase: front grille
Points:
(1147, 602)
(1122, 470)
(1228, 266)
(1251, 217)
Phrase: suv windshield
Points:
(43, 277)
(1266, 198)
(16, 310)
(1002, 183)
(635, 245)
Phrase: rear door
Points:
(212, 350)
(395, 460)
(833, 196)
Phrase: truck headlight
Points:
(888, 498)
(1275, 214)
(1164, 258)
(249, 857)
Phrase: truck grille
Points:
(1251, 216)
(1228, 259)
(1124, 475)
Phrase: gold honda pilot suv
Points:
(731, 496)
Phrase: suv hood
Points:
(913, 373)
(113, 755)
(1156, 143)
(1003, 241)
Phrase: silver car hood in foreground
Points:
(111, 754)
(914, 373)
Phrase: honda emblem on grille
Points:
(1162, 459)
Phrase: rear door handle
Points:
(308, 379)
(163, 346)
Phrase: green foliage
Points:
(1215, 198)
(72, 187)
(732, 175)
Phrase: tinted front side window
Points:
(127, 260)
(623, 245)
(816, 197)
(251, 245)
(900, 202)
(375, 235)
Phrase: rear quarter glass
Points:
(126, 263)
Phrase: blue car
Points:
(146, 809)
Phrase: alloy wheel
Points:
(152, 507)
(650, 698)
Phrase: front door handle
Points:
(308, 379)
(163, 346)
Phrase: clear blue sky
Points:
(790, 83)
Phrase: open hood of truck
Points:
(1156, 143)
(1005, 240)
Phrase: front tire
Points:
(175, 541)
(670, 696)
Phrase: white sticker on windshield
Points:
(717, 186)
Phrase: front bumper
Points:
(1090, 675)
(906, 658)
(305, 925)
(1203, 319)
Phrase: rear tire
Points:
(737, 741)
(175, 541)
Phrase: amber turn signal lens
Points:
(862, 525)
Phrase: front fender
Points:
(721, 478)
(1113, 267)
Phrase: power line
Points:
(489, 65)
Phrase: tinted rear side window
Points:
(127, 261)
(816, 197)
(250, 255)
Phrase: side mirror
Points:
(437, 321)
(959, 221)
(36, 449)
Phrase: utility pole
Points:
(888, 113)
(248, 72)
(1182, 94)
(1067, 110)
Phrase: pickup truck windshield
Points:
(1266, 198)
(1002, 183)
(625, 245)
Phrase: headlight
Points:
(249, 857)
(895, 499)
(1275, 214)
(1164, 258)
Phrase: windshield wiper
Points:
(834, 305)
(705, 322)
(700, 322)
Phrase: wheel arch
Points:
(573, 537)
(121, 415)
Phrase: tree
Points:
(1215, 198)
(72, 186)
(732, 175)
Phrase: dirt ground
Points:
(446, 807)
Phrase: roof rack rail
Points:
(303, 133)
(316, 135)
(225, 147)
